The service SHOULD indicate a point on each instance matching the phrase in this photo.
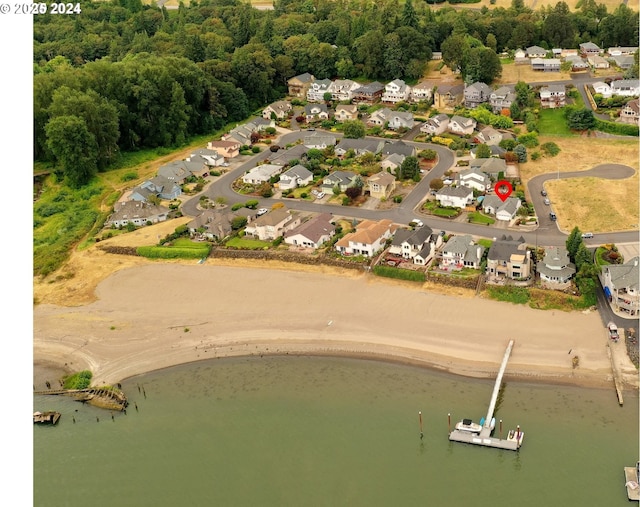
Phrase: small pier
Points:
(46, 417)
(632, 478)
(481, 435)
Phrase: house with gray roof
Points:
(280, 109)
(620, 284)
(490, 166)
(536, 52)
(555, 269)
(415, 242)
(408, 150)
(456, 197)
(297, 176)
(396, 91)
(379, 117)
(319, 140)
(436, 124)
(341, 179)
(474, 178)
(630, 113)
(623, 62)
(448, 95)
(400, 120)
(318, 88)
(346, 112)
(589, 48)
(392, 162)
(461, 252)
(368, 94)
(283, 157)
(210, 157)
(423, 91)
(261, 174)
(546, 64)
(553, 96)
(461, 125)
(476, 94)
(313, 233)
(298, 85)
(343, 89)
(508, 258)
(316, 112)
(505, 211)
(502, 98)
(176, 171)
(158, 187)
(578, 63)
(213, 225)
(137, 213)
(626, 87)
(359, 146)
(488, 135)
(380, 185)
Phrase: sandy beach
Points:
(157, 315)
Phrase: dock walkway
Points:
(631, 483)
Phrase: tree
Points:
(409, 168)
(521, 151)
(574, 240)
(580, 119)
(481, 64)
(436, 184)
(353, 129)
(483, 151)
(428, 154)
(238, 222)
(353, 191)
(583, 256)
(74, 147)
(409, 16)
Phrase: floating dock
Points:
(46, 417)
(483, 437)
(631, 479)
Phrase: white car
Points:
(262, 211)
(321, 195)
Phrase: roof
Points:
(315, 228)
(303, 78)
(625, 276)
(537, 50)
(372, 145)
(589, 45)
(368, 232)
(510, 204)
(274, 217)
(350, 108)
(382, 178)
(135, 209)
(370, 88)
(556, 257)
(502, 249)
(298, 171)
(455, 191)
(465, 122)
(464, 246)
(398, 147)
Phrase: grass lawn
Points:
(485, 243)
(443, 212)
(553, 123)
(475, 217)
(247, 244)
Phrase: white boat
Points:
(469, 426)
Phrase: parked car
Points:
(547, 202)
(262, 211)
(553, 216)
(587, 235)
(321, 195)
(543, 192)
(613, 331)
(416, 223)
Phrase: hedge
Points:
(402, 274)
(623, 129)
(168, 252)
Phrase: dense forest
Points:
(123, 76)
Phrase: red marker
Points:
(503, 189)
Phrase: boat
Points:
(492, 426)
(46, 417)
(632, 478)
(469, 426)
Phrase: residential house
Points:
(299, 85)
(552, 96)
(343, 89)
(476, 94)
(408, 150)
(520, 57)
(227, 149)
(272, 225)
(503, 210)
(597, 62)
(630, 113)
(368, 238)
(536, 52)
(380, 185)
(319, 140)
(626, 87)
(589, 48)
(340, 179)
(556, 52)
(316, 112)
(461, 252)
(546, 64)
(621, 51)
(502, 98)
(620, 284)
(461, 125)
(261, 174)
(359, 146)
(400, 120)
(436, 124)
(279, 109)
(555, 269)
(175, 172)
(379, 117)
(578, 63)
(488, 135)
(568, 52)
(284, 157)
(241, 134)
(159, 187)
(448, 96)
(475, 179)
(297, 176)
(137, 213)
(493, 167)
(318, 88)
(392, 162)
(436, 55)
(346, 112)
(418, 245)
(368, 94)
(313, 233)
(396, 91)
(423, 91)
(508, 258)
(623, 62)
(602, 88)
(213, 225)
(210, 157)
(456, 197)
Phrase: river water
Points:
(294, 431)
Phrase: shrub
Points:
(535, 155)
(251, 204)
(80, 380)
(237, 206)
(551, 149)
(128, 176)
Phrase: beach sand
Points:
(158, 315)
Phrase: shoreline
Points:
(155, 316)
